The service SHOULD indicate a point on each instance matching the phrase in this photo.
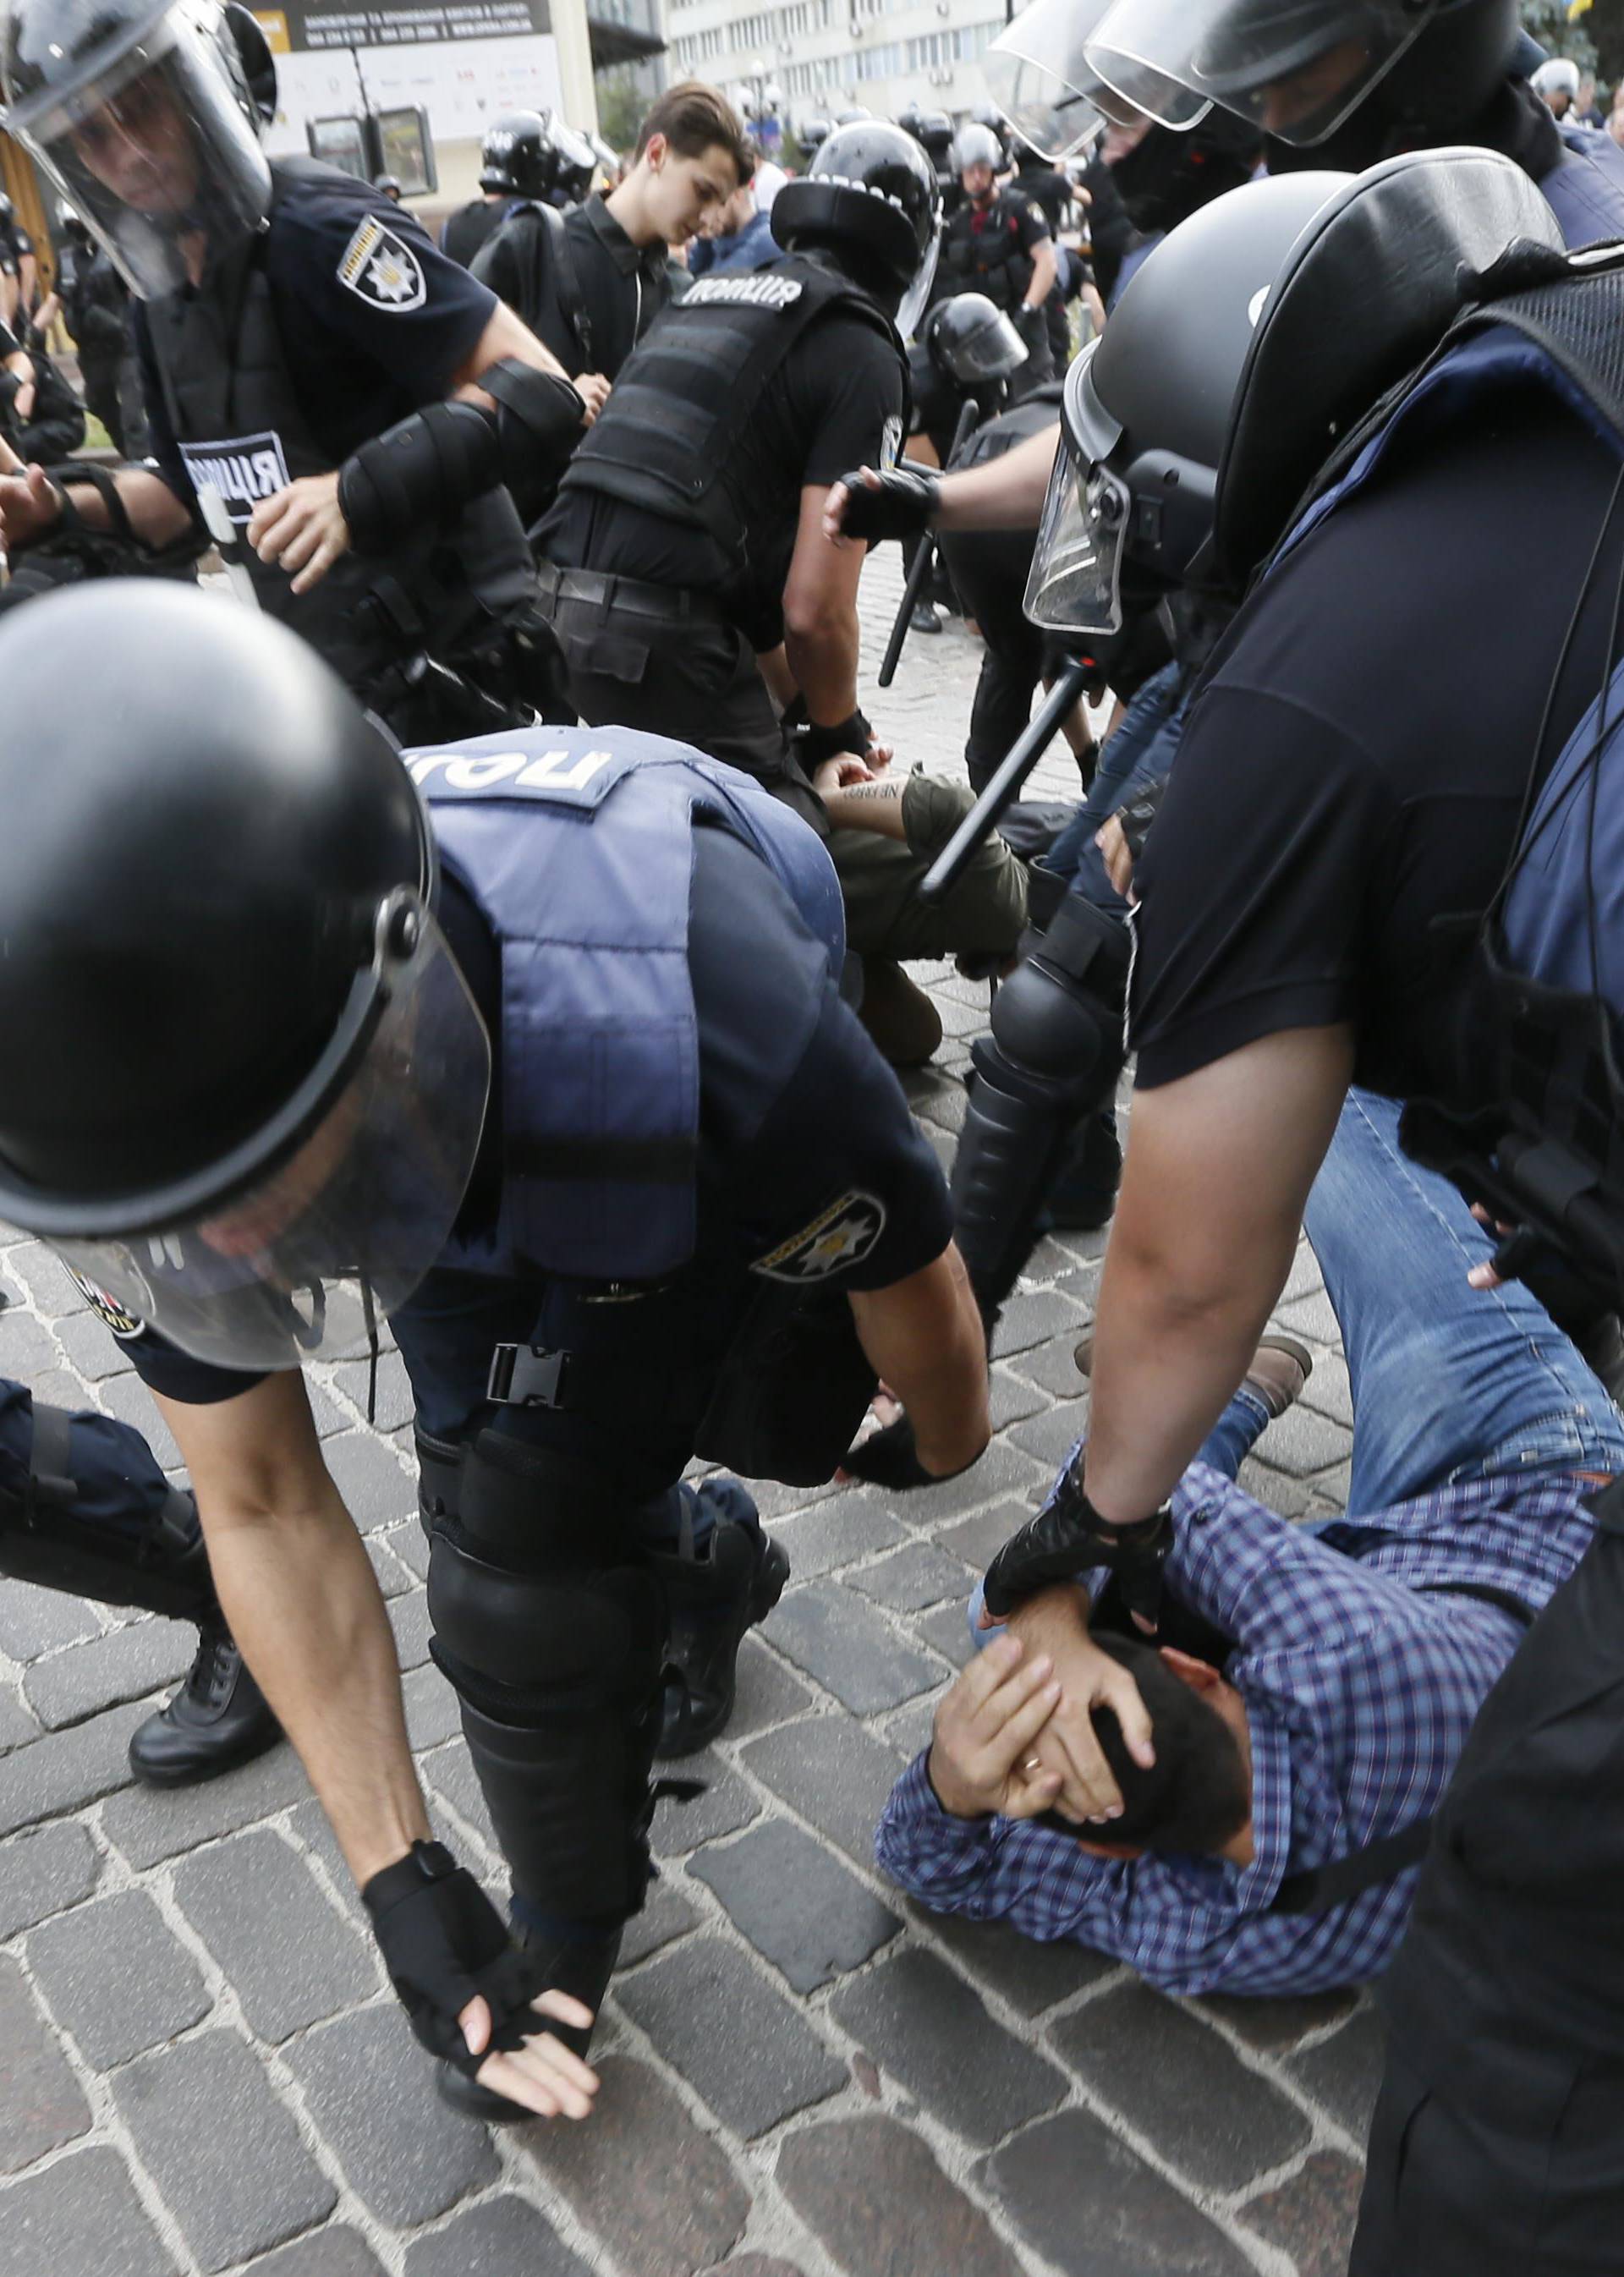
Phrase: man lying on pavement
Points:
(1312, 1686)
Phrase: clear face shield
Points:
(916, 296)
(1298, 68)
(153, 150)
(1041, 75)
(298, 1263)
(992, 351)
(1075, 585)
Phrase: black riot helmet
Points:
(85, 82)
(977, 145)
(388, 186)
(815, 134)
(256, 64)
(871, 199)
(910, 119)
(972, 342)
(1166, 176)
(253, 1064)
(1263, 328)
(577, 165)
(70, 223)
(1412, 71)
(519, 154)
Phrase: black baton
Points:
(1005, 786)
(968, 416)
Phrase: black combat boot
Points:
(217, 1720)
(734, 1580)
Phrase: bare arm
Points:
(299, 1591)
(1045, 268)
(1218, 1169)
(1006, 493)
(820, 616)
(29, 507)
(874, 805)
(924, 1338)
(505, 336)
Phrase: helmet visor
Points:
(992, 350)
(1075, 585)
(916, 294)
(154, 151)
(1298, 68)
(366, 1198)
(1040, 74)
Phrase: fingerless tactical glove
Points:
(901, 507)
(442, 1941)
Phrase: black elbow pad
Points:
(426, 469)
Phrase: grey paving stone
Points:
(651, 2183)
(32, 1621)
(910, 1578)
(1053, 1366)
(127, 1665)
(1003, 1470)
(225, 2154)
(370, 2089)
(851, 1525)
(43, 1873)
(1033, 1316)
(16, 1726)
(25, 1347)
(799, 1906)
(743, 2047)
(843, 1644)
(1277, 2026)
(834, 1773)
(726, 1805)
(1274, 1489)
(1313, 1316)
(1093, 2207)
(1312, 2216)
(257, 1907)
(66, 1770)
(394, 1390)
(666, 1916)
(432, 1713)
(47, 1280)
(80, 2216)
(377, 1491)
(505, 2237)
(1049, 1438)
(409, 1618)
(114, 1976)
(91, 1347)
(393, 1578)
(147, 1825)
(1305, 1276)
(1028, 1973)
(978, 1539)
(1012, 1398)
(128, 1398)
(768, 1693)
(873, 2193)
(1300, 1443)
(410, 1545)
(1329, 1390)
(1345, 2071)
(926, 2028)
(946, 1631)
(911, 1728)
(40, 2105)
(1181, 2087)
(336, 2252)
(755, 2264)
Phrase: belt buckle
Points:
(527, 1375)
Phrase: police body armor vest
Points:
(242, 431)
(580, 858)
(1550, 972)
(993, 259)
(689, 391)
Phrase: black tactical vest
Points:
(993, 261)
(685, 395)
(243, 432)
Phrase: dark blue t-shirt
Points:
(374, 320)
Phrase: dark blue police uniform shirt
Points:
(776, 1153)
(358, 360)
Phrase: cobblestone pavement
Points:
(201, 2069)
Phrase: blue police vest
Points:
(576, 844)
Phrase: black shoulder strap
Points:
(1321, 1888)
(566, 282)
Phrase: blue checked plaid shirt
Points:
(1358, 1692)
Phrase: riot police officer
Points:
(1000, 243)
(95, 306)
(505, 140)
(300, 338)
(589, 283)
(538, 1043)
(685, 540)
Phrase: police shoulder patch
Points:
(378, 266)
(125, 1325)
(840, 1236)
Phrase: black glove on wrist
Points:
(902, 507)
(890, 1457)
(1067, 1538)
(1138, 815)
(814, 744)
(442, 1942)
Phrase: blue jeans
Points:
(1141, 750)
(1449, 1383)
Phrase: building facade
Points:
(825, 56)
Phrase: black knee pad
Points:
(556, 1643)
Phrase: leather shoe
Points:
(217, 1720)
(714, 1599)
(578, 1965)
